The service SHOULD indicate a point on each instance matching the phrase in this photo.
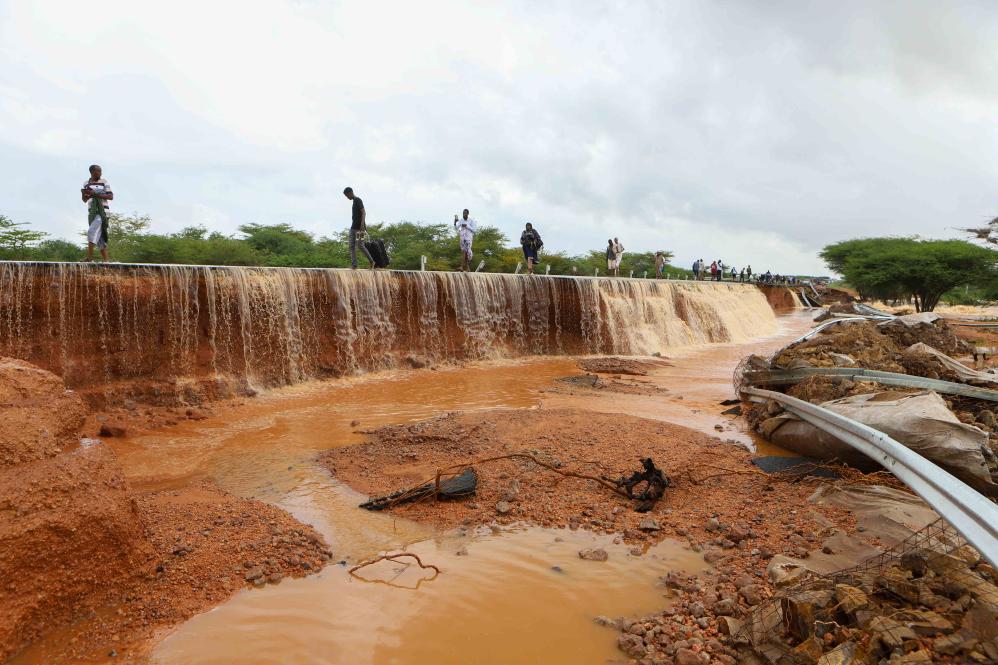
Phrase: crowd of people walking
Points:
(97, 195)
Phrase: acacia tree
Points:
(15, 242)
(892, 268)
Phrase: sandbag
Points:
(920, 421)
(964, 373)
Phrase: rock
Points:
(254, 573)
(687, 657)
(850, 598)
(632, 645)
(897, 582)
(783, 570)
(354, 423)
(801, 610)
(890, 633)
(593, 554)
(606, 621)
(842, 360)
(274, 578)
(743, 581)
(925, 622)
(503, 507)
(753, 593)
(512, 491)
(808, 651)
(463, 551)
(914, 562)
(725, 607)
(697, 610)
(649, 524)
(919, 656)
(840, 655)
(951, 645)
(712, 524)
(713, 555)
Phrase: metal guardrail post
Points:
(970, 513)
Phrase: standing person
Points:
(696, 269)
(733, 274)
(466, 228)
(659, 264)
(748, 273)
(611, 257)
(713, 271)
(358, 229)
(96, 193)
(618, 256)
(741, 275)
(531, 242)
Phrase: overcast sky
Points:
(755, 132)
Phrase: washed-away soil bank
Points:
(84, 554)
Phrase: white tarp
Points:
(965, 374)
(921, 421)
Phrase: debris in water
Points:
(459, 486)
(655, 483)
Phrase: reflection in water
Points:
(514, 596)
(522, 596)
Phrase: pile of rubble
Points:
(910, 605)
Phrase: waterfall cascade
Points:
(178, 328)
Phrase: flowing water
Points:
(185, 330)
(519, 595)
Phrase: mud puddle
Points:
(518, 596)
(502, 602)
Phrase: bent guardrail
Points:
(970, 513)
(788, 376)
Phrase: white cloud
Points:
(754, 133)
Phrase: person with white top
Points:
(96, 193)
(466, 227)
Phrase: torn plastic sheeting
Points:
(920, 421)
(965, 373)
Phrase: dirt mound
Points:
(860, 340)
(819, 389)
(70, 529)
(915, 328)
(75, 538)
(40, 417)
(614, 365)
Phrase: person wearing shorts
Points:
(531, 242)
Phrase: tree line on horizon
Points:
(281, 245)
(898, 269)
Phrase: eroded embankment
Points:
(169, 334)
(75, 537)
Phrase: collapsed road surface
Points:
(525, 566)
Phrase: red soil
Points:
(76, 541)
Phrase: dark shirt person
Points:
(531, 242)
(358, 229)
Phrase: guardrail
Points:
(782, 377)
(970, 513)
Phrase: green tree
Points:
(16, 242)
(924, 270)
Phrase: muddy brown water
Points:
(519, 595)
